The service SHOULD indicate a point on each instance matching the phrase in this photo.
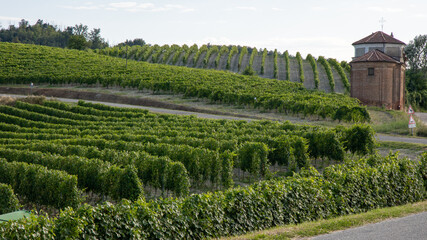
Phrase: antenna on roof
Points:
(382, 21)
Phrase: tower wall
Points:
(385, 88)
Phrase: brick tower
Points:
(378, 71)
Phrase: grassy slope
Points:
(21, 63)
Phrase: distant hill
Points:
(262, 62)
(26, 63)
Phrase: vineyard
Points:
(58, 155)
(23, 64)
(103, 172)
(241, 60)
(168, 153)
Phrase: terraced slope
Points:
(20, 63)
(268, 68)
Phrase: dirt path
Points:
(308, 75)
(161, 106)
(294, 69)
(269, 67)
(257, 63)
(339, 85)
(282, 68)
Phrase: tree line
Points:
(416, 75)
(78, 36)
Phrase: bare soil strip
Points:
(111, 98)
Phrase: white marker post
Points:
(31, 89)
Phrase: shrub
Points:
(252, 157)
(40, 185)
(8, 200)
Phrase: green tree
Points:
(416, 52)
(416, 76)
(96, 40)
(77, 42)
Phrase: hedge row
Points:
(264, 55)
(243, 52)
(328, 70)
(209, 53)
(232, 52)
(353, 187)
(300, 67)
(8, 200)
(41, 185)
(313, 64)
(288, 66)
(191, 50)
(341, 72)
(275, 64)
(224, 50)
(93, 174)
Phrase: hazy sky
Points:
(322, 27)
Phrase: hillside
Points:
(210, 58)
(22, 64)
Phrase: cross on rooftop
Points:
(382, 21)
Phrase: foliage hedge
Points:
(313, 64)
(275, 65)
(202, 49)
(341, 72)
(224, 50)
(288, 66)
(328, 70)
(264, 55)
(232, 52)
(300, 67)
(8, 200)
(211, 51)
(41, 185)
(352, 187)
(191, 50)
(243, 52)
(93, 174)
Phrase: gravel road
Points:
(411, 227)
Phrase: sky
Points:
(319, 27)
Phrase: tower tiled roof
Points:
(378, 37)
(375, 56)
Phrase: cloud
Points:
(81, 7)
(385, 10)
(123, 4)
(319, 8)
(132, 7)
(247, 8)
(276, 9)
(4, 18)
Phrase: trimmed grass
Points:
(402, 145)
(310, 229)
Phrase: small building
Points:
(378, 71)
